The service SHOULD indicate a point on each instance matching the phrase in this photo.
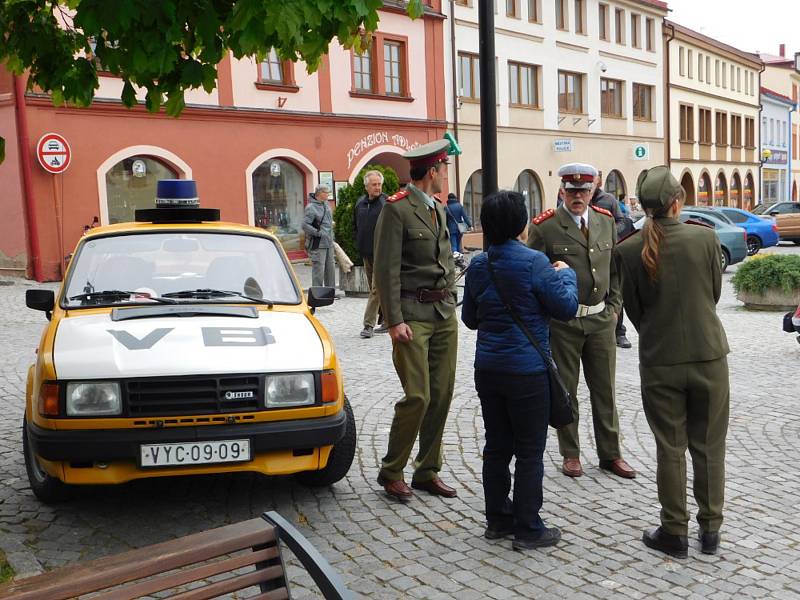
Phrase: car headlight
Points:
(289, 389)
(93, 398)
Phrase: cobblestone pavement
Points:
(431, 548)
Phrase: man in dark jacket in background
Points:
(605, 200)
(365, 217)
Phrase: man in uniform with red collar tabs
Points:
(583, 236)
(415, 277)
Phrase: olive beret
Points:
(655, 187)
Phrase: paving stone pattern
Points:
(432, 548)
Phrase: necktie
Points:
(584, 229)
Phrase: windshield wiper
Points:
(111, 295)
(208, 294)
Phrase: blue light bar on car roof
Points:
(177, 192)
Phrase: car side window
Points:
(796, 208)
(734, 216)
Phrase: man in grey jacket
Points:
(317, 223)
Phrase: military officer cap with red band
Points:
(428, 155)
(577, 176)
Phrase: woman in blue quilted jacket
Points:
(510, 375)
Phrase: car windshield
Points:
(178, 267)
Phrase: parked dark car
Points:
(762, 232)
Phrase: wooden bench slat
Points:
(166, 582)
(110, 571)
(232, 584)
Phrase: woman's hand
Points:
(560, 264)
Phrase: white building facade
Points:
(776, 146)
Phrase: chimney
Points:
(783, 50)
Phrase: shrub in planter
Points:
(346, 202)
(771, 279)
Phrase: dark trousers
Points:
(515, 413)
(621, 329)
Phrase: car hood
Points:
(98, 346)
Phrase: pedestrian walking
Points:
(365, 218)
(583, 236)
(458, 223)
(415, 277)
(510, 375)
(672, 281)
(317, 225)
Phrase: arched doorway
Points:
(704, 190)
(473, 197)
(615, 185)
(736, 190)
(131, 184)
(279, 201)
(528, 185)
(747, 193)
(390, 159)
(687, 183)
(721, 190)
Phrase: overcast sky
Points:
(750, 25)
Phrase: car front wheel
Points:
(341, 456)
(726, 260)
(44, 486)
(753, 245)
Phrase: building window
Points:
(752, 84)
(733, 78)
(523, 83)
(700, 66)
(580, 19)
(271, 70)
(708, 69)
(689, 64)
(636, 34)
(736, 131)
(362, 71)
(738, 79)
(611, 94)
(561, 14)
(570, 92)
(772, 132)
(602, 12)
(750, 132)
(534, 11)
(131, 184)
(511, 8)
(721, 122)
(278, 201)
(651, 35)
(528, 185)
(619, 25)
(763, 130)
(392, 65)
(462, 2)
(687, 123)
(705, 125)
(642, 102)
(681, 61)
(469, 76)
(716, 73)
(724, 75)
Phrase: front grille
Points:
(167, 396)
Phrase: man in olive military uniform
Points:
(415, 276)
(584, 236)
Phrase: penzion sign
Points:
(376, 139)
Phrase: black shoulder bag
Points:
(560, 398)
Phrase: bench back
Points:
(227, 559)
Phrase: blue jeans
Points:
(515, 414)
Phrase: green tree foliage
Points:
(169, 46)
(770, 271)
(346, 202)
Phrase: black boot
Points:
(676, 546)
(709, 541)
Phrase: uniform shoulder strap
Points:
(544, 216)
(602, 211)
(398, 196)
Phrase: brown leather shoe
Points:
(619, 467)
(435, 487)
(572, 467)
(396, 488)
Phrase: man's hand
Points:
(560, 264)
(401, 333)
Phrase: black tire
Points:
(45, 487)
(726, 260)
(753, 244)
(796, 242)
(341, 457)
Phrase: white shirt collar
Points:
(577, 218)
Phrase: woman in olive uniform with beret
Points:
(671, 282)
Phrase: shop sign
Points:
(641, 152)
(563, 145)
(53, 153)
(376, 139)
(778, 157)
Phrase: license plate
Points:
(195, 453)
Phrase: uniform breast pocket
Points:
(564, 249)
(419, 235)
(604, 246)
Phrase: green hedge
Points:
(346, 202)
(769, 271)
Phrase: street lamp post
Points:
(486, 61)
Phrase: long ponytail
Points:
(653, 235)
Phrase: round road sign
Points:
(53, 153)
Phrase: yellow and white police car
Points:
(181, 345)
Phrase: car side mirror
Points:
(321, 296)
(44, 300)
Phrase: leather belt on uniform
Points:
(584, 310)
(425, 295)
